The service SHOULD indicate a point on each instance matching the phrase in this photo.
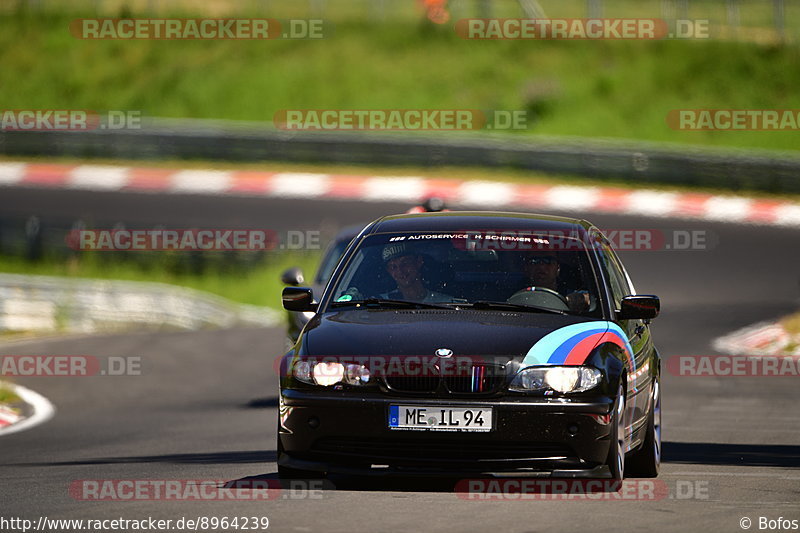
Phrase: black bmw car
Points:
(473, 343)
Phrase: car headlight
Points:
(302, 371)
(557, 378)
(356, 374)
(327, 374)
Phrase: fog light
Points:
(313, 422)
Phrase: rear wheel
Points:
(616, 449)
(646, 462)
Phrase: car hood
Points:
(506, 335)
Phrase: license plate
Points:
(429, 418)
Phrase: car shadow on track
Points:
(267, 456)
(769, 455)
(706, 453)
(262, 403)
(353, 483)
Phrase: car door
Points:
(638, 333)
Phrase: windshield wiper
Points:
(486, 304)
(386, 302)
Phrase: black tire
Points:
(616, 447)
(646, 461)
(287, 472)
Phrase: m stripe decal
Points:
(571, 345)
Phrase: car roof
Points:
(476, 221)
(349, 232)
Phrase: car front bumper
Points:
(347, 434)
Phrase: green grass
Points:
(792, 324)
(8, 396)
(616, 89)
(258, 284)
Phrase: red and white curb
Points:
(475, 194)
(41, 408)
(764, 338)
(8, 416)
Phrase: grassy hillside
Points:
(609, 89)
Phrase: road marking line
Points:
(730, 474)
(12, 173)
(299, 185)
(574, 198)
(99, 177)
(788, 214)
(201, 181)
(486, 193)
(400, 188)
(43, 410)
(652, 203)
(727, 208)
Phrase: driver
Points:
(405, 267)
(542, 270)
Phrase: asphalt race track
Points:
(205, 405)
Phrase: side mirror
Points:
(293, 276)
(298, 299)
(639, 306)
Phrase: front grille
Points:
(474, 378)
(439, 452)
(413, 383)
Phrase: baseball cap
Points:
(394, 250)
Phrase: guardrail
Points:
(45, 303)
(645, 163)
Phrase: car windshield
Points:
(464, 270)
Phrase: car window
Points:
(330, 260)
(447, 269)
(615, 274)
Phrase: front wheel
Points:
(616, 449)
(646, 462)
